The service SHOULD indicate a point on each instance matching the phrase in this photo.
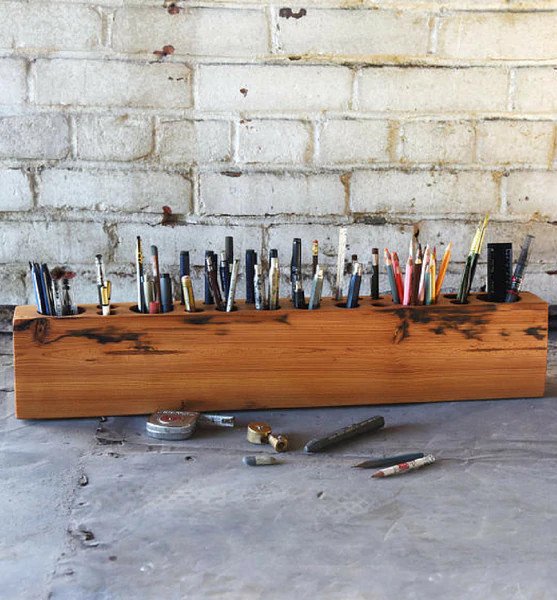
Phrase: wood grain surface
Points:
(129, 363)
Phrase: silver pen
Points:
(259, 287)
(342, 238)
(274, 281)
(232, 287)
(316, 289)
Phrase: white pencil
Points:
(404, 467)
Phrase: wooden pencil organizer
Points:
(378, 353)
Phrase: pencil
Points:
(425, 270)
(408, 279)
(398, 275)
(416, 275)
(443, 270)
(391, 276)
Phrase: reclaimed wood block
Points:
(129, 363)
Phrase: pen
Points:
(213, 283)
(391, 276)
(299, 300)
(314, 256)
(274, 281)
(224, 270)
(100, 274)
(156, 275)
(354, 287)
(166, 293)
(405, 466)
(209, 254)
(259, 286)
(342, 238)
(46, 283)
(375, 273)
(316, 289)
(105, 300)
(187, 292)
(251, 261)
(184, 270)
(296, 266)
(229, 250)
(37, 287)
(141, 306)
(516, 281)
(232, 285)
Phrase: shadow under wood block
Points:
(131, 363)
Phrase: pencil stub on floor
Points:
(260, 460)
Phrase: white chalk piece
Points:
(257, 461)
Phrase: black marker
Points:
(251, 261)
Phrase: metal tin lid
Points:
(172, 424)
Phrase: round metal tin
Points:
(172, 424)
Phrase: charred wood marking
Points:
(536, 332)
(469, 324)
(109, 335)
(287, 13)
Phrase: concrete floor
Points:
(117, 515)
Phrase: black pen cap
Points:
(273, 253)
(229, 248)
(166, 293)
(297, 253)
(184, 263)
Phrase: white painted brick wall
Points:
(106, 138)
(267, 122)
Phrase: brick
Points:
(112, 83)
(355, 33)
(121, 138)
(51, 27)
(532, 194)
(354, 141)
(196, 31)
(34, 136)
(273, 141)
(536, 90)
(193, 237)
(423, 192)
(508, 142)
(15, 192)
(269, 193)
(194, 141)
(54, 242)
(12, 283)
(437, 142)
(274, 87)
(129, 191)
(498, 35)
(12, 75)
(433, 90)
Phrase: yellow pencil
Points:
(443, 270)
